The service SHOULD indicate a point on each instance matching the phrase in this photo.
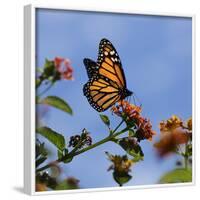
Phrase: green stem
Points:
(118, 126)
(45, 167)
(107, 139)
(186, 162)
(74, 153)
(38, 82)
(186, 157)
(46, 89)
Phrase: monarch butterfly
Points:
(107, 82)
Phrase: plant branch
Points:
(186, 157)
(107, 139)
(74, 153)
(46, 89)
(118, 126)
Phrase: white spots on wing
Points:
(112, 59)
(112, 52)
(99, 60)
(106, 53)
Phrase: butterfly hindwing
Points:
(101, 93)
(91, 67)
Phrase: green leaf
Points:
(57, 103)
(40, 150)
(49, 68)
(59, 154)
(132, 148)
(131, 133)
(189, 150)
(105, 119)
(37, 99)
(39, 161)
(65, 185)
(121, 178)
(177, 176)
(39, 69)
(55, 138)
(62, 154)
(68, 160)
(129, 123)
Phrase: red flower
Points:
(63, 66)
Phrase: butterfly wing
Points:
(106, 78)
(110, 64)
(91, 67)
(101, 93)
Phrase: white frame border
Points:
(29, 96)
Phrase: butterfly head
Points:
(126, 93)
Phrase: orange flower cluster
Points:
(173, 134)
(171, 124)
(144, 130)
(132, 113)
(125, 108)
(63, 66)
(189, 124)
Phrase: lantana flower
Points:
(84, 139)
(63, 66)
(171, 124)
(121, 167)
(173, 134)
(189, 124)
(132, 114)
(121, 164)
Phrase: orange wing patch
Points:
(108, 67)
(109, 61)
(119, 74)
(109, 75)
(101, 93)
(111, 102)
(109, 89)
(105, 99)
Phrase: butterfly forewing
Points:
(110, 64)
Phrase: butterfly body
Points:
(124, 92)
(107, 83)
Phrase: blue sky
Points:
(156, 54)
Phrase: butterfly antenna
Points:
(129, 99)
(136, 99)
